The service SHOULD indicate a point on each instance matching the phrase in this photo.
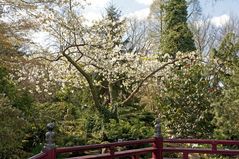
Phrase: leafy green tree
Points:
(12, 130)
(227, 70)
(226, 111)
(185, 102)
(19, 99)
(176, 35)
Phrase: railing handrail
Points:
(124, 153)
(147, 141)
(202, 141)
(41, 155)
(107, 145)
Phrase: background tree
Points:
(226, 107)
(137, 40)
(15, 108)
(176, 36)
(156, 22)
(12, 132)
(176, 99)
(185, 102)
(205, 34)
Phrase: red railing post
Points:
(158, 142)
(214, 146)
(51, 154)
(49, 147)
(135, 157)
(185, 155)
(112, 152)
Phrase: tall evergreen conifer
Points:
(176, 36)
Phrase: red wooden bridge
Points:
(154, 148)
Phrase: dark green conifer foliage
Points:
(176, 36)
(115, 25)
(226, 75)
(113, 13)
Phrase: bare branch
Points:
(50, 60)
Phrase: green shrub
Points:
(12, 130)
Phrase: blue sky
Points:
(220, 8)
(219, 11)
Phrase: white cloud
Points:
(41, 38)
(140, 14)
(92, 16)
(145, 2)
(98, 3)
(220, 20)
(97, 7)
(94, 10)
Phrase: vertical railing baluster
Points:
(112, 152)
(214, 146)
(185, 155)
(158, 141)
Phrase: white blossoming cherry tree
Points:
(96, 57)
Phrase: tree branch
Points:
(146, 78)
(86, 76)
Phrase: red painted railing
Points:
(41, 155)
(156, 146)
(112, 149)
(181, 146)
(212, 144)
